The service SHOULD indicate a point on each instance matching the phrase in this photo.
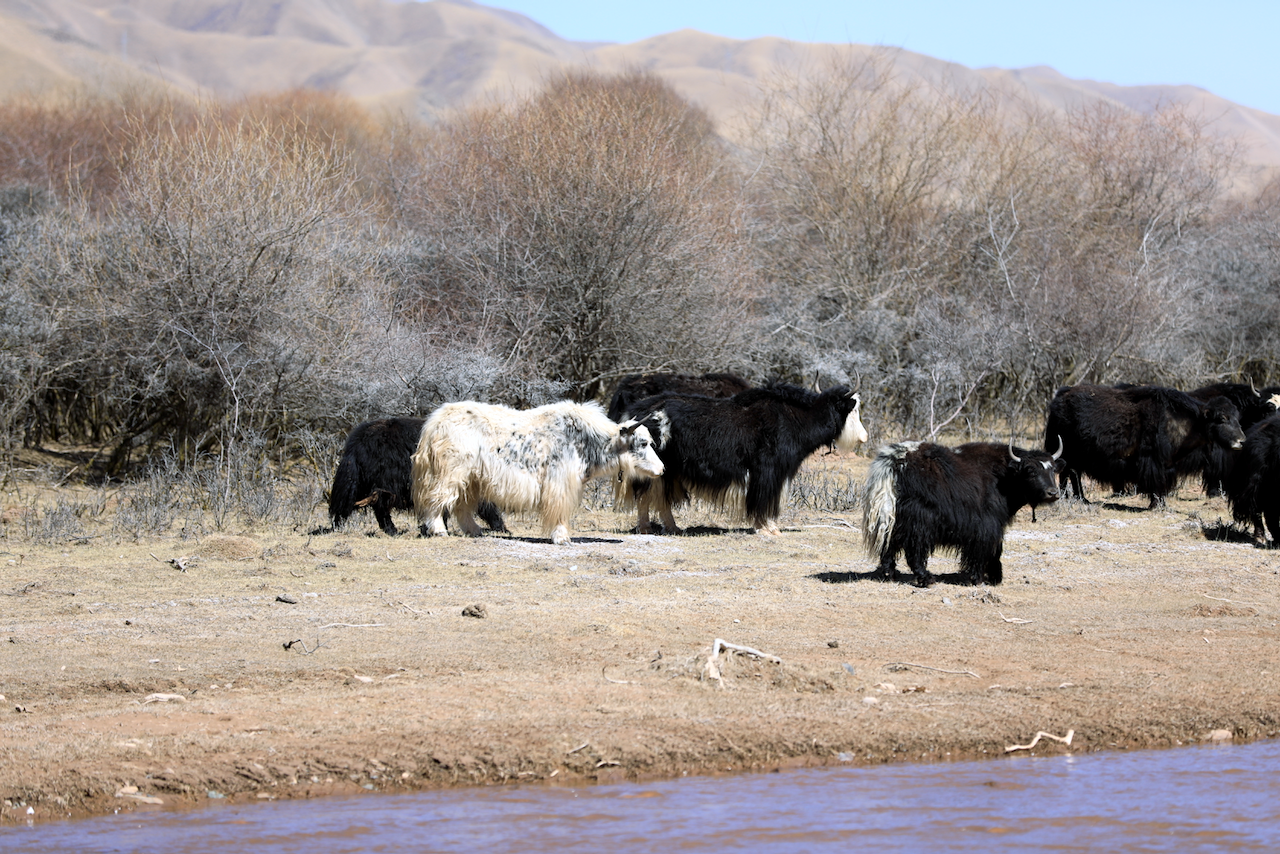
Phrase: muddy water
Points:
(1198, 799)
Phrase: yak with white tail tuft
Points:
(921, 496)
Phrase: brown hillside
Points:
(424, 57)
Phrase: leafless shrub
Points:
(586, 233)
(965, 258)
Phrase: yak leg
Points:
(983, 564)
(492, 517)
(382, 513)
(643, 526)
(1072, 476)
(464, 512)
(1273, 525)
(888, 568)
(657, 495)
(434, 526)
(917, 555)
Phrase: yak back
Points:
(1252, 404)
(637, 387)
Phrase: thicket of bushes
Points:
(230, 281)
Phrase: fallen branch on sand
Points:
(352, 626)
(712, 669)
(1017, 620)
(163, 698)
(299, 643)
(1231, 601)
(178, 563)
(614, 681)
(1065, 739)
(934, 669)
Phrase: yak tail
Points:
(342, 497)
(881, 509)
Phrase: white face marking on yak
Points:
(637, 456)
(853, 433)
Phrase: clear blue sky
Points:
(1230, 47)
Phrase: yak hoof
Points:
(769, 530)
(560, 536)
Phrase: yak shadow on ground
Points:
(1225, 532)
(546, 541)
(955, 578)
(1124, 508)
(696, 531)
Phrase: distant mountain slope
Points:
(423, 57)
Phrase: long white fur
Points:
(880, 510)
(536, 459)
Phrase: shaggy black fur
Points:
(962, 499)
(637, 387)
(1143, 436)
(376, 470)
(1252, 480)
(1213, 460)
(755, 440)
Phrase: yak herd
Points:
(669, 437)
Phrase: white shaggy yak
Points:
(534, 459)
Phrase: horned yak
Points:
(521, 460)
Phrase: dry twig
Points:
(352, 626)
(299, 643)
(712, 667)
(1230, 601)
(935, 669)
(614, 681)
(1065, 739)
(1017, 620)
(179, 563)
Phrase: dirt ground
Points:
(272, 664)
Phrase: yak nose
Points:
(1237, 444)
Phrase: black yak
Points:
(921, 496)
(741, 450)
(375, 471)
(1142, 436)
(1212, 460)
(636, 387)
(1252, 480)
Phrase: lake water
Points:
(1192, 799)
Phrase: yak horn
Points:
(1061, 447)
(1016, 458)
(816, 374)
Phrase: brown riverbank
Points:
(282, 665)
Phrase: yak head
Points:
(853, 433)
(1222, 420)
(1033, 477)
(636, 454)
